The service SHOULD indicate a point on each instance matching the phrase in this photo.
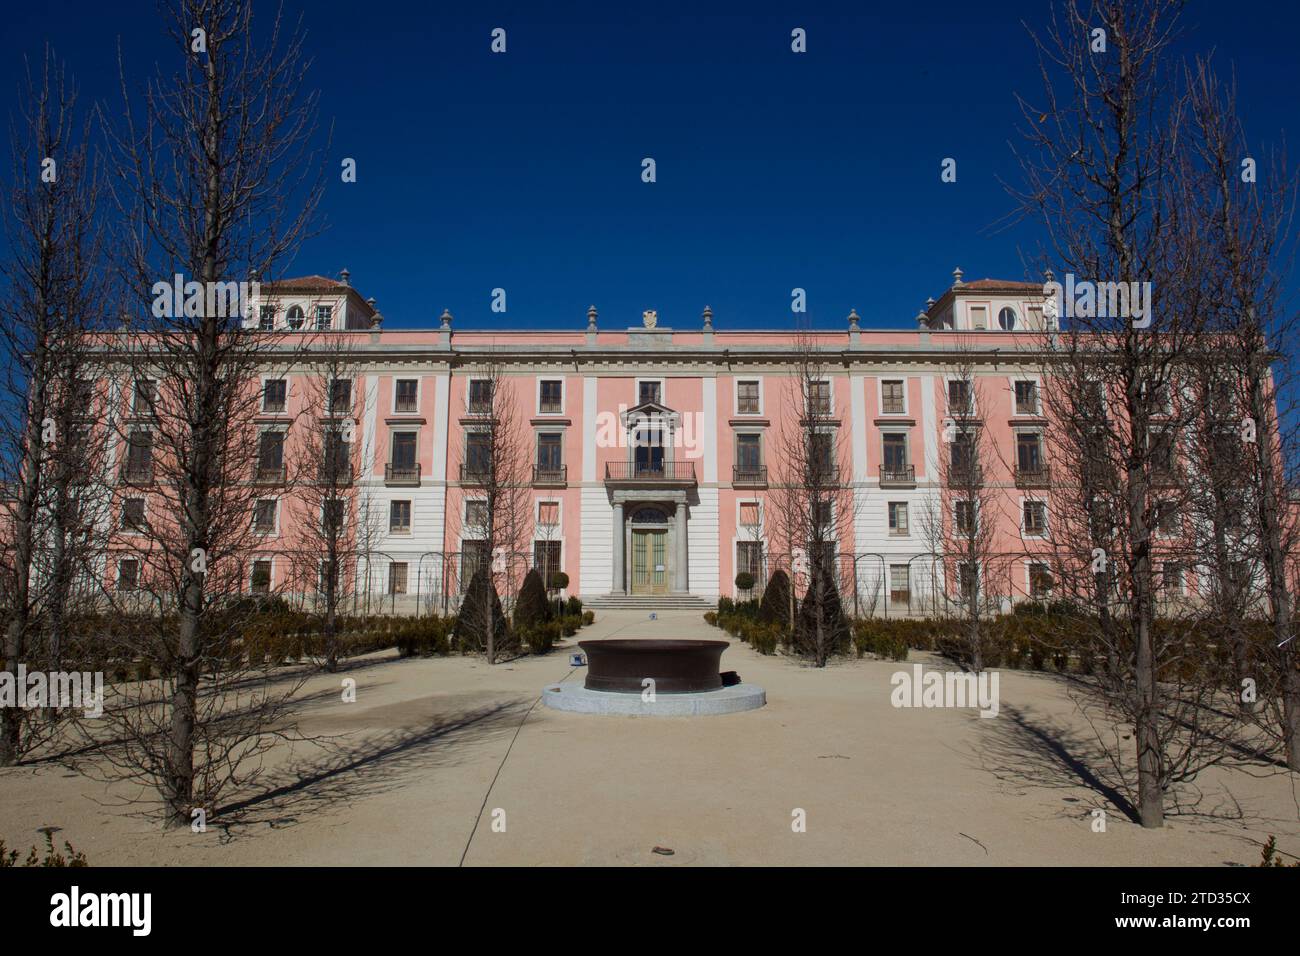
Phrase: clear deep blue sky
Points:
(775, 170)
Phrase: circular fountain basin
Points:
(675, 666)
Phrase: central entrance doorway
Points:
(649, 561)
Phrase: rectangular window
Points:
(334, 512)
(473, 555)
(1035, 517)
(967, 580)
(894, 453)
(649, 392)
(128, 574)
(270, 454)
(900, 584)
(1166, 515)
(133, 514)
(898, 517)
(548, 513)
(340, 396)
(324, 317)
(337, 466)
(963, 516)
(480, 396)
(408, 391)
(404, 451)
(546, 558)
(1029, 453)
(821, 455)
(139, 455)
(1171, 578)
(824, 514)
(146, 395)
(399, 517)
(397, 577)
(551, 401)
(747, 397)
(475, 515)
(261, 579)
(275, 392)
(749, 454)
(266, 318)
(959, 397)
(819, 398)
(264, 510)
(1026, 398)
(478, 453)
(749, 558)
(550, 452)
(891, 397)
(961, 455)
(1040, 581)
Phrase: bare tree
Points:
(496, 476)
(217, 181)
(52, 300)
(811, 499)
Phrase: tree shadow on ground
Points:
(344, 770)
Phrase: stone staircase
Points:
(648, 602)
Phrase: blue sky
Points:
(775, 170)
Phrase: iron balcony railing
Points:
(896, 476)
(663, 472)
(749, 477)
(402, 474)
(269, 474)
(550, 474)
(1034, 476)
(965, 476)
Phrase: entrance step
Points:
(649, 602)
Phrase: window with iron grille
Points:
(128, 574)
(891, 396)
(747, 397)
(261, 578)
(408, 392)
(473, 555)
(900, 584)
(546, 558)
(397, 577)
(749, 558)
(475, 515)
(552, 396)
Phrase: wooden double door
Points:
(649, 561)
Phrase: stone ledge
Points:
(727, 700)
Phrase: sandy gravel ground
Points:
(434, 751)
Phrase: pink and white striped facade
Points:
(721, 398)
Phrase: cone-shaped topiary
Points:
(775, 608)
(820, 628)
(531, 606)
(472, 621)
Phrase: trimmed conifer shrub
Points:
(821, 605)
(775, 608)
(531, 606)
(471, 622)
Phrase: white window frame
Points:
(537, 516)
(464, 517)
(974, 404)
(1030, 564)
(880, 397)
(1016, 322)
(123, 527)
(757, 530)
(564, 393)
(830, 395)
(270, 579)
(894, 532)
(735, 395)
(410, 520)
(1038, 396)
(1024, 532)
(271, 377)
(275, 531)
(469, 388)
(663, 390)
(316, 317)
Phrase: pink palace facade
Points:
(681, 525)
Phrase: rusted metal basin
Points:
(677, 667)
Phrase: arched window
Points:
(649, 516)
(1007, 318)
(295, 317)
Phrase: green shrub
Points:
(532, 606)
(541, 636)
(775, 607)
(745, 581)
(725, 606)
(471, 633)
(558, 581)
(827, 612)
(75, 858)
(711, 618)
(573, 607)
(588, 618)
(763, 637)
(881, 638)
(569, 624)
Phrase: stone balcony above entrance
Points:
(661, 474)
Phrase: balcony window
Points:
(337, 465)
(275, 392)
(403, 453)
(551, 397)
(747, 397)
(139, 455)
(821, 455)
(550, 452)
(408, 390)
(1029, 453)
(894, 453)
(648, 455)
(749, 454)
(891, 398)
(478, 454)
